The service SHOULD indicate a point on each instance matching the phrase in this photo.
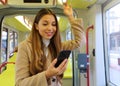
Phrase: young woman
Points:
(36, 58)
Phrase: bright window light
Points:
(64, 1)
(58, 18)
(61, 1)
(24, 22)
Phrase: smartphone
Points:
(62, 55)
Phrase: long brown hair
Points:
(39, 59)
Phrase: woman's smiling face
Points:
(47, 26)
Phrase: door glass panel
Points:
(11, 41)
(4, 47)
(113, 40)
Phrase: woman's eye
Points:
(54, 24)
(45, 24)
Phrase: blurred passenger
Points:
(36, 55)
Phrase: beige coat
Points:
(22, 75)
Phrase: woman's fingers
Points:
(62, 64)
(52, 71)
(54, 62)
(62, 67)
(68, 9)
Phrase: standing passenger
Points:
(36, 56)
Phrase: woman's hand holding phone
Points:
(62, 55)
(54, 71)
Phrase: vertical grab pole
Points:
(87, 52)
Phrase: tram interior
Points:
(16, 19)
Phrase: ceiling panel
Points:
(11, 21)
(77, 4)
(82, 4)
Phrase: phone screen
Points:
(62, 55)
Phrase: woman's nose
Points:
(50, 27)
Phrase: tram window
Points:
(112, 44)
(113, 34)
(16, 39)
(13, 41)
(4, 46)
(118, 41)
(68, 37)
